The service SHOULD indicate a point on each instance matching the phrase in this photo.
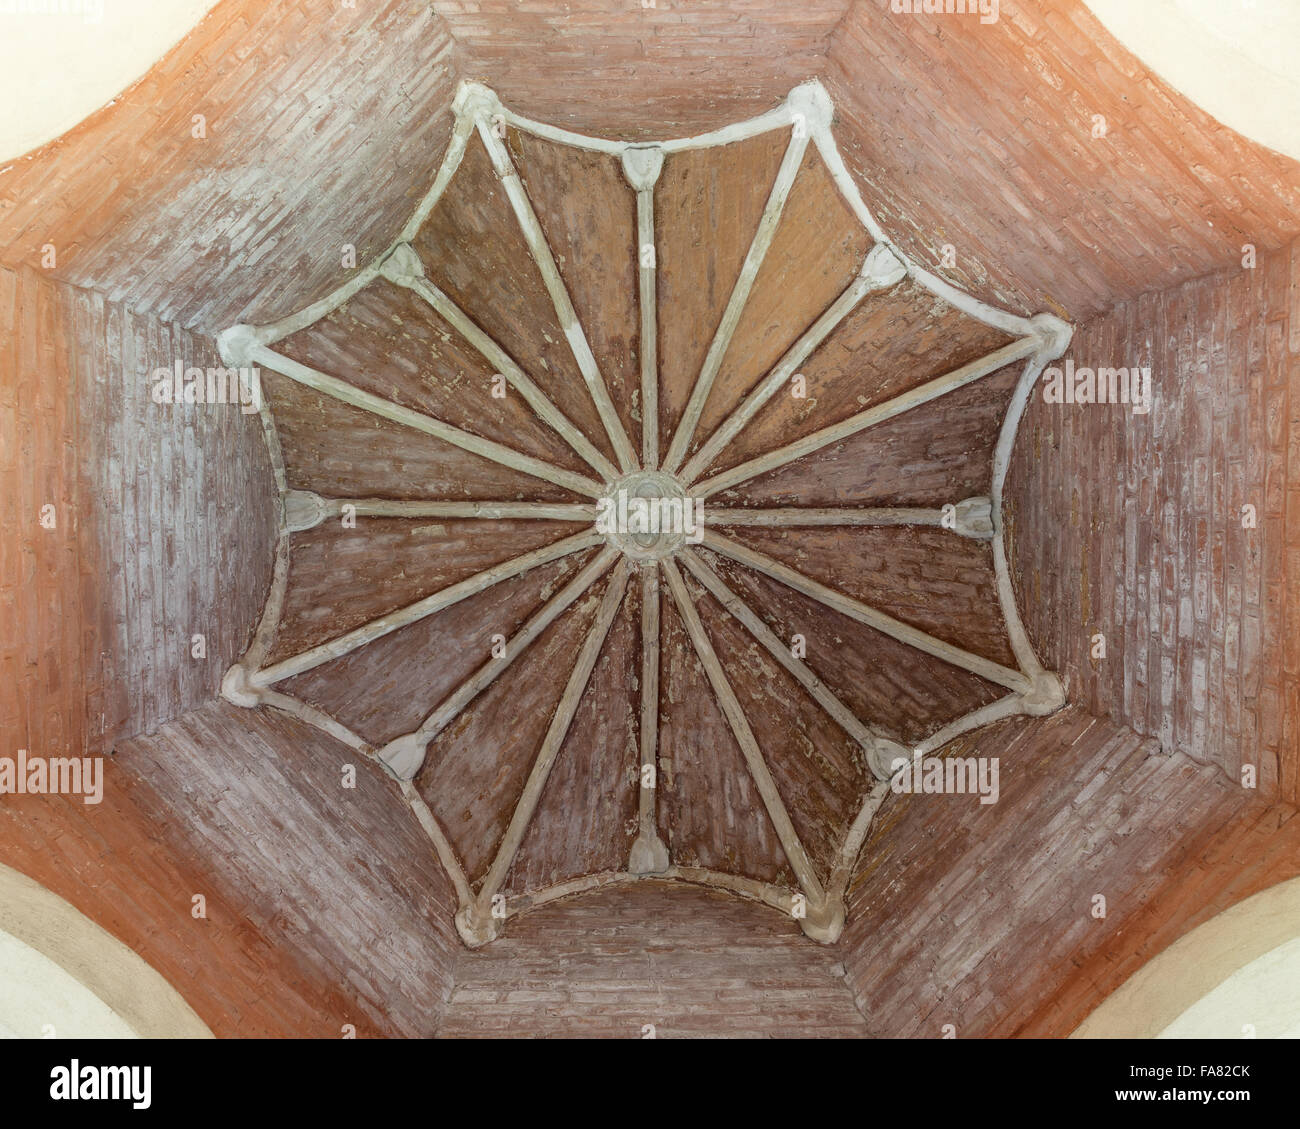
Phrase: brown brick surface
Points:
(165, 523)
(694, 963)
(980, 916)
(325, 905)
(1131, 526)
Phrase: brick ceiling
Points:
(563, 321)
(322, 138)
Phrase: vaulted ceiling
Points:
(367, 225)
(566, 322)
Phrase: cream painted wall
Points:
(60, 60)
(1241, 967)
(1234, 58)
(1263, 996)
(59, 967)
(39, 999)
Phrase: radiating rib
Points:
(649, 695)
(378, 628)
(555, 734)
(758, 249)
(821, 693)
(835, 515)
(491, 670)
(776, 810)
(541, 252)
(642, 168)
(377, 405)
(799, 352)
(493, 511)
(515, 376)
(855, 609)
(913, 398)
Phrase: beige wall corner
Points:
(62, 61)
(144, 1003)
(1165, 988)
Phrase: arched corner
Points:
(1168, 986)
(136, 999)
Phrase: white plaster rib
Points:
(853, 840)
(419, 421)
(819, 691)
(779, 898)
(1011, 705)
(487, 511)
(300, 319)
(855, 609)
(378, 628)
(795, 516)
(870, 417)
(642, 166)
(865, 283)
(649, 728)
(304, 711)
(404, 268)
(1005, 707)
(735, 715)
(441, 844)
(1020, 644)
(777, 118)
(1010, 323)
(461, 131)
(263, 637)
(551, 743)
(451, 708)
(740, 292)
(533, 396)
(564, 311)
